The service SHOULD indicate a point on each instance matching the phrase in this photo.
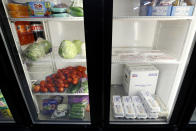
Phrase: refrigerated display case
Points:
(49, 50)
(5, 114)
(151, 43)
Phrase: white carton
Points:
(140, 77)
(149, 102)
(118, 111)
(152, 115)
(138, 106)
(128, 107)
(129, 111)
(117, 107)
(163, 109)
(117, 100)
(126, 100)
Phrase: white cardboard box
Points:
(140, 77)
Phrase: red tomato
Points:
(62, 77)
(61, 89)
(84, 68)
(69, 68)
(49, 85)
(74, 72)
(52, 89)
(66, 85)
(48, 79)
(65, 81)
(61, 85)
(36, 88)
(84, 75)
(44, 90)
(53, 76)
(42, 83)
(69, 79)
(60, 81)
(75, 82)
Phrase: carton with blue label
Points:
(155, 10)
(182, 10)
(39, 9)
(140, 77)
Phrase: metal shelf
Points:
(49, 19)
(141, 55)
(153, 18)
(62, 94)
(78, 58)
(44, 119)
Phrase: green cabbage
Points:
(78, 44)
(67, 49)
(34, 51)
(47, 46)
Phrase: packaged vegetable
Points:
(67, 49)
(38, 49)
(46, 44)
(74, 88)
(76, 8)
(34, 51)
(77, 111)
(49, 106)
(78, 99)
(3, 104)
(60, 111)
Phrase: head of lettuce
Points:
(67, 49)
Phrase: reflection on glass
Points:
(5, 113)
(193, 118)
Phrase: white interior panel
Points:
(133, 33)
(116, 74)
(60, 31)
(171, 36)
(167, 75)
(126, 7)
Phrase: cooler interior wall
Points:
(167, 36)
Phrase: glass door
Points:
(50, 41)
(152, 41)
(193, 118)
(5, 114)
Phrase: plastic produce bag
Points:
(78, 99)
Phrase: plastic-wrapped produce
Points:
(60, 112)
(78, 105)
(78, 99)
(139, 108)
(77, 111)
(38, 49)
